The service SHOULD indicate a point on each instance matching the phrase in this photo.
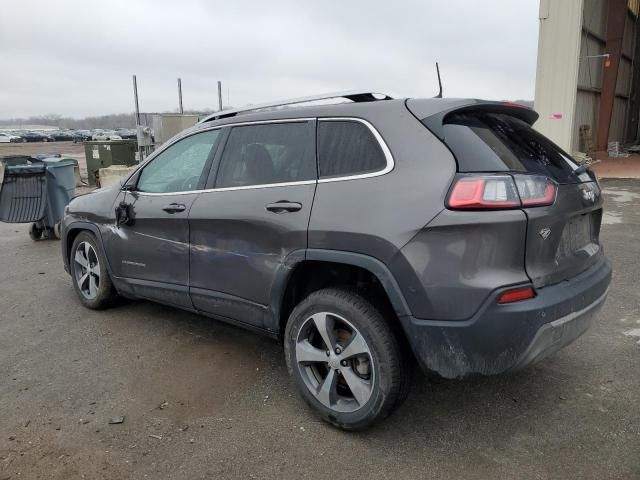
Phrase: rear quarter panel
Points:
(377, 216)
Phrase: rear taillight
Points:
(535, 190)
(495, 192)
(484, 192)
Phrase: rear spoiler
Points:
(436, 122)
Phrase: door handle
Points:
(283, 207)
(174, 208)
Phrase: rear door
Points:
(562, 238)
(253, 217)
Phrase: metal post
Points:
(616, 15)
(633, 102)
(219, 95)
(135, 97)
(180, 94)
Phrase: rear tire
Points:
(362, 377)
(35, 232)
(89, 274)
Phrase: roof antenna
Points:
(439, 95)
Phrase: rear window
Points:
(488, 141)
(347, 148)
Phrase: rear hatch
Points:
(562, 238)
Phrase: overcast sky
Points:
(76, 57)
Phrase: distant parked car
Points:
(81, 136)
(9, 138)
(127, 133)
(106, 135)
(36, 137)
(62, 136)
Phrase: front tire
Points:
(345, 359)
(89, 273)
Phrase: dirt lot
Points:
(66, 149)
(206, 400)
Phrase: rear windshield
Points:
(489, 141)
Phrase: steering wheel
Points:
(190, 183)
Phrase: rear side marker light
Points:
(516, 295)
(498, 192)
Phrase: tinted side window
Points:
(348, 148)
(179, 168)
(486, 141)
(268, 153)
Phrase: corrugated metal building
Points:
(588, 71)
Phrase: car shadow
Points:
(437, 410)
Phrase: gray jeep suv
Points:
(365, 235)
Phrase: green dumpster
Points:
(104, 154)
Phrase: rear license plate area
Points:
(578, 235)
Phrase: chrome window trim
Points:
(383, 145)
(229, 189)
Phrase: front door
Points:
(149, 247)
(257, 213)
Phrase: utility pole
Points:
(138, 133)
(135, 98)
(180, 94)
(219, 95)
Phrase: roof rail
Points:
(353, 95)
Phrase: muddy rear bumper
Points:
(506, 337)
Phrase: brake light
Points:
(516, 295)
(496, 192)
(535, 190)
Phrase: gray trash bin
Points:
(37, 191)
(61, 188)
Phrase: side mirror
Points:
(125, 214)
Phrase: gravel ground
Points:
(66, 149)
(71, 149)
(204, 400)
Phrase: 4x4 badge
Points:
(544, 233)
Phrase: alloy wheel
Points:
(335, 362)
(87, 270)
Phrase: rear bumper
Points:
(506, 337)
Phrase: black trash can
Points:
(23, 194)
